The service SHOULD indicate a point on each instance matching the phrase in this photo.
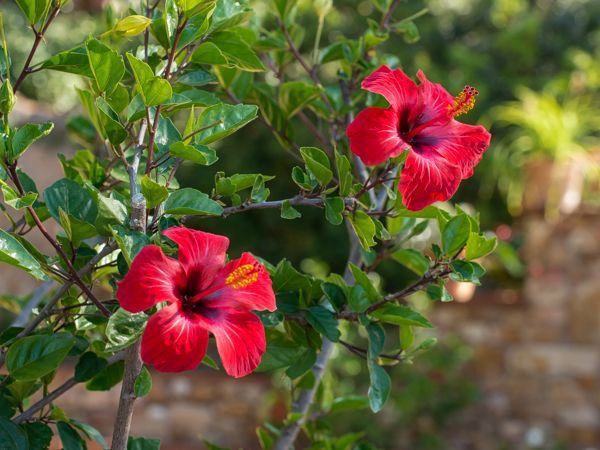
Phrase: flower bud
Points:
(322, 7)
(7, 98)
(130, 26)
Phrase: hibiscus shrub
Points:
(128, 285)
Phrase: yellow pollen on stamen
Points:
(243, 276)
(463, 102)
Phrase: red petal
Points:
(201, 254)
(245, 283)
(397, 88)
(240, 337)
(374, 135)
(427, 179)
(435, 99)
(152, 278)
(174, 341)
(461, 144)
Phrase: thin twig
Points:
(12, 169)
(46, 400)
(45, 312)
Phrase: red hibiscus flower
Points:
(420, 119)
(205, 295)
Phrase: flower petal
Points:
(460, 143)
(374, 135)
(201, 254)
(427, 178)
(435, 100)
(152, 278)
(245, 283)
(397, 88)
(240, 337)
(173, 341)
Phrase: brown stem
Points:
(133, 367)
(39, 35)
(167, 75)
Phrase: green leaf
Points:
(323, 321)
(358, 299)
(12, 198)
(349, 403)
(188, 201)
(236, 52)
(209, 53)
(288, 211)
(140, 443)
(32, 357)
(153, 192)
(238, 182)
(264, 438)
(455, 234)
(111, 212)
(286, 278)
(130, 242)
(376, 335)
(70, 438)
(34, 10)
(111, 127)
(303, 364)
(364, 227)
(466, 271)
(400, 315)
(107, 378)
(344, 174)
(281, 352)
(334, 209)
(228, 14)
(412, 259)
(295, 95)
(143, 383)
(259, 192)
(106, 64)
(363, 280)
(164, 24)
(14, 253)
(317, 163)
(90, 432)
(479, 246)
(12, 437)
(74, 61)
(439, 292)
(27, 135)
(73, 199)
(88, 366)
(39, 435)
(196, 153)
(335, 294)
(155, 90)
(379, 389)
(124, 328)
(209, 362)
(221, 120)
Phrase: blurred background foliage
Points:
(536, 64)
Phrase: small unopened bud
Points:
(322, 7)
(7, 98)
(130, 26)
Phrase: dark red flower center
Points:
(410, 130)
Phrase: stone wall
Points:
(536, 360)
